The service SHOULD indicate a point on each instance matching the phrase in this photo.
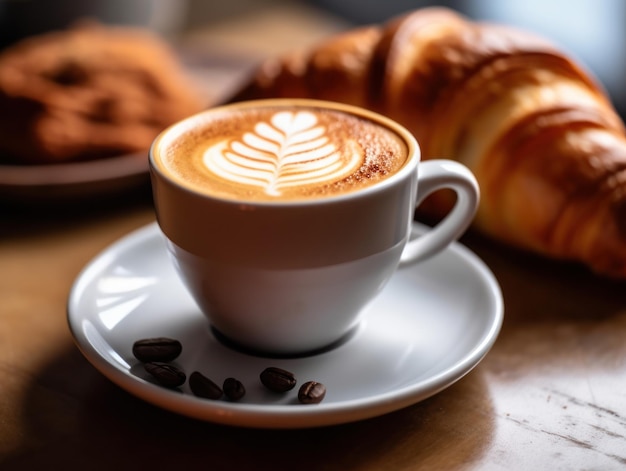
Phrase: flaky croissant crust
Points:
(539, 133)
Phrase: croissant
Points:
(540, 134)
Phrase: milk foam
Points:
(291, 149)
(279, 153)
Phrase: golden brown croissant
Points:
(542, 138)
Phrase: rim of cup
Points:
(177, 129)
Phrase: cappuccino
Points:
(279, 153)
(285, 217)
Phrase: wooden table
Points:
(551, 394)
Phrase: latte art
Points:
(291, 150)
(279, 153)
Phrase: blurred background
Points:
(591, 30)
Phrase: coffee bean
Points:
(157, 349)
(311, 392)
(277, 379)
(165, 374)
(156, 352)
(233, 389)
(202, 386)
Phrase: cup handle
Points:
(435, 175)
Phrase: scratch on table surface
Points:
(580, 443)
(607, 431)
(582, 403)
(605, 438)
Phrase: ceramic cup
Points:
(292, 276)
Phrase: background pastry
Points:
(541, 136)
(88, 92)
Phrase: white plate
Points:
(61, 182)
(430, 326)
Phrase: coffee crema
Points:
(278, 153)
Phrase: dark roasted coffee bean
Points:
(233, 389)
(277, 379)
(165, 374)
(202, 386)
(311, 392)
(157, 349)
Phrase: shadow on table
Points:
(77, 419)
(538, 289)
(23, 218)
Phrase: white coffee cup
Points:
(289, 277)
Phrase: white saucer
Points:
(431, 325)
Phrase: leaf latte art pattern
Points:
(292, 149)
